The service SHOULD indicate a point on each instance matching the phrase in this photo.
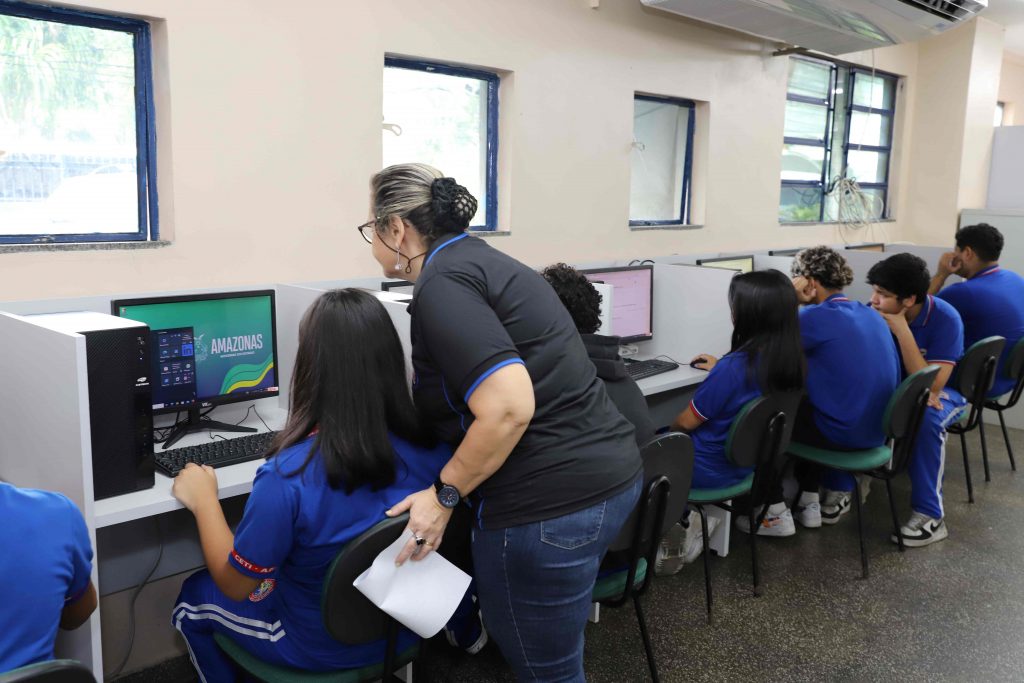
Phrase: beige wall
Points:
(1011, 89)
(269, 127)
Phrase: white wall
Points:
(1011, 89)
(269, 128)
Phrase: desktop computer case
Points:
(120, 410)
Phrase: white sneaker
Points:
(809, 514)
(777, 522)
(682, 545)
(837, 504)
(922, 530)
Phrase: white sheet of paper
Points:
(421, 595)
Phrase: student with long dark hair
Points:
(353, 446)
(764, 358)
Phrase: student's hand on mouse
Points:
(427, 521)
(949, 263)
(804, 289)
(704, 361)
(195, 486)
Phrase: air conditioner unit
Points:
(830, 26)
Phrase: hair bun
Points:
(452, 204)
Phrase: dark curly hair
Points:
(578, 295)
(825, 265)
(905, 275)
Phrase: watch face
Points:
(448, 496)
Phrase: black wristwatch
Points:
(447, 495)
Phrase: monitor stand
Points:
(194, 423)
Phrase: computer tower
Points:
(120, 398)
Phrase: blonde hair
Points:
(423, 196)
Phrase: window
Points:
(77, 146)
(447, 117)
(839, 123)
(659, 188)
(1000, 110)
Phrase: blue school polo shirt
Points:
(938, 332)
(853, 367)
(45, 563)
(292, 529)
(990, 303)
(726, 389)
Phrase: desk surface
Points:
(681, 377)
(233, 480)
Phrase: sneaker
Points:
(837, 504)
(682, 545)
(809, 515)
(921, 530)
(777, 522)
(468, 635)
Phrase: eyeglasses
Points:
(367, 229)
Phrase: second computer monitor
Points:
(743, 264)
(875, 246)
(397, 286)
(632, 300)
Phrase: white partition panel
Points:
(780, 263)
(292, 302)
(691, 316)
(1006, 174)
(44, 417)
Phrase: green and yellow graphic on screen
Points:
(223, 343)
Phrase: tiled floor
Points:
(951, 612)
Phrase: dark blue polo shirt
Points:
(853, 367)
(939, 332)
(475, 310)
(991, 304)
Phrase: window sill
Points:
(82, 246)
(808, 224)
(671, 226)
(490, 233)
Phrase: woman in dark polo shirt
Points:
(548, 464)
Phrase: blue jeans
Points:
(535, 583)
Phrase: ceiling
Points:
(1009, 13)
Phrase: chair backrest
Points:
(904, 412)
(759, 435)
(1014, 369)
(667, 455)
(349, 616)
(976, 371)
(56, 671)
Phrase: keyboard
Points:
(216, 453)
(639, 369)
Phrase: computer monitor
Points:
(397, 286)
(785, 252)
(208, 350)
(632, 300)
(743, 264)
(874, 246)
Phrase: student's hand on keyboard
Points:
(195, 486)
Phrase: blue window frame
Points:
(839, 123)
(83, 164)
(661, 161)
(445, 116)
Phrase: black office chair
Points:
(901, 423)
(55, 671)
(1014, 369)
(668, 469)
(973, 378)
(349, 617)
(758, 438)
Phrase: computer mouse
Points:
(696, 364)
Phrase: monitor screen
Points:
(879, 247)
(397, 286)
(208, 349)
(743, 264)
(632, 300)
